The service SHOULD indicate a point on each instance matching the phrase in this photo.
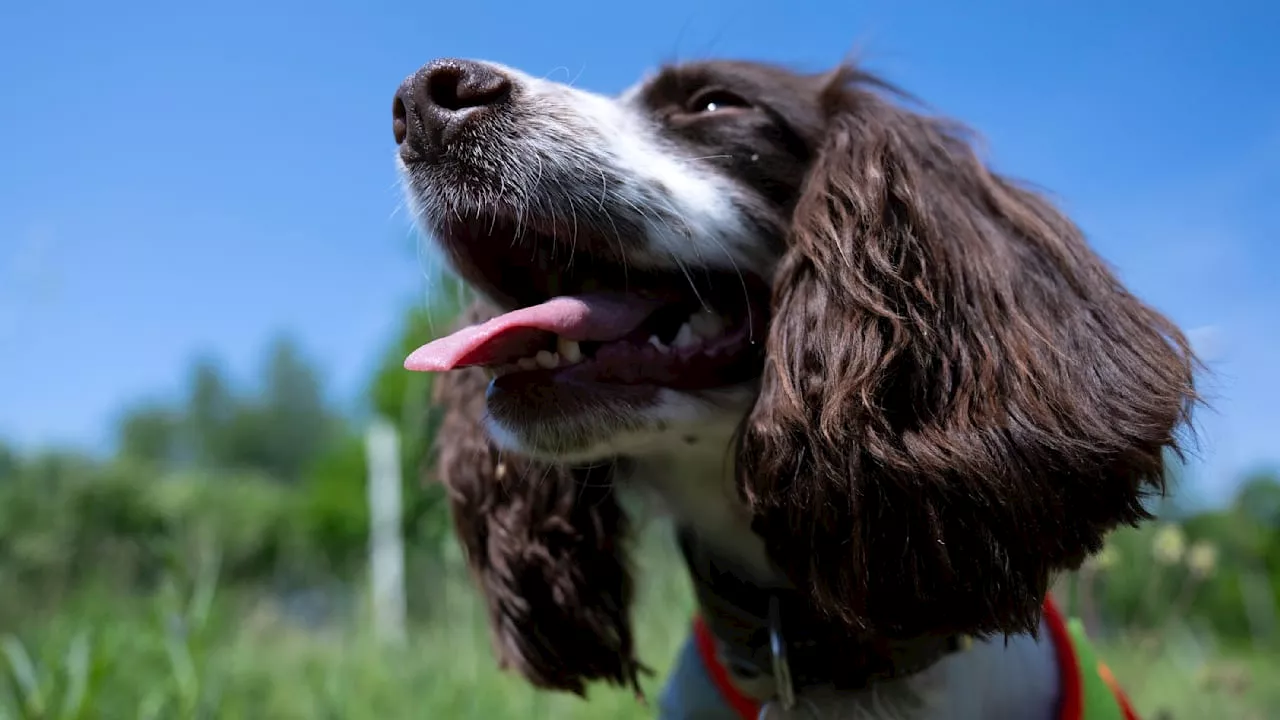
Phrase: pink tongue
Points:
(601, 317)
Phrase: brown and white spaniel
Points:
(886, 392)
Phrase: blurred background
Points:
(208, 281)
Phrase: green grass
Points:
(1172, 679)
(194, 654)
(190, 653)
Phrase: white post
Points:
(386, 545)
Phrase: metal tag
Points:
(778, 648)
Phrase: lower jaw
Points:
(646, 370)
(564, 420)
(516, 400)
(579, 401)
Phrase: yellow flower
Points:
(1169, 545)
(1202, 558)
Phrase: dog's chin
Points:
(582, 424)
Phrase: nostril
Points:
(462, 85)
(442, 88)
(399, 121)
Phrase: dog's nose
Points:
(430, 106)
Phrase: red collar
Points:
(1064, 650)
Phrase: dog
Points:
(886, 392)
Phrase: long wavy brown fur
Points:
(545, 544)
(959, 397)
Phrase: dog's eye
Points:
(715, 99)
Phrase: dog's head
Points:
(635, 240)
(941, 394)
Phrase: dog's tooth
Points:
(706, 324)
(527, 363)
(570, 351)
(654, 341)
(685, 337)
(547, 360)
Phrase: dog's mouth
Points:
(578, 316)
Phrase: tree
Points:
(9, 463)
(209, 411)
(150, 433)
(404, 397)
(336, 489)
(1259, 498)
(279, 431)
(295, 422)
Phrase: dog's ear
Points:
(959, 396)
(545, 545)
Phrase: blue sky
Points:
(182, 178)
